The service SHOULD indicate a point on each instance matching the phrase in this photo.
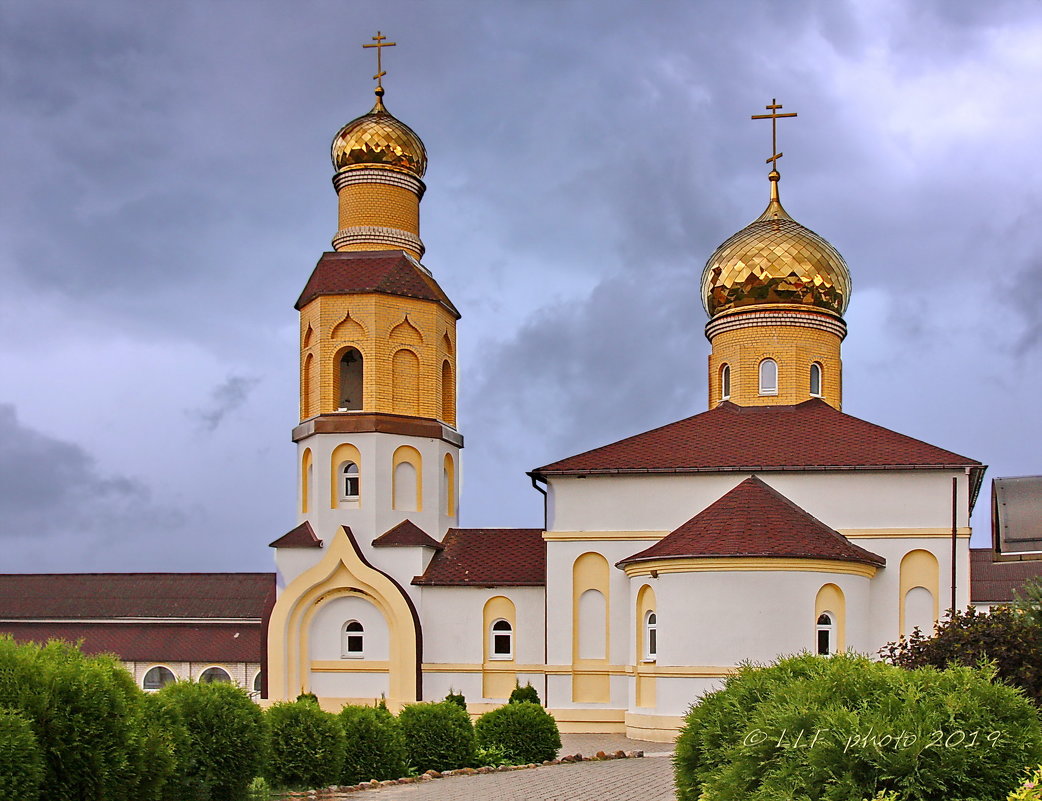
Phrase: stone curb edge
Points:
(430, 775)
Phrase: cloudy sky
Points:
(166, 192)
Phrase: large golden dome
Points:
(379, 138)
(775, 260)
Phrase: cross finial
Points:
(774, 116)
(379, 45)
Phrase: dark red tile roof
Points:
(406, 534)
(488, 557)
(78, 596)
(754, 519)
(762, 438)
(387, 272)
(997, 582)
(151, 642)
(303, 536)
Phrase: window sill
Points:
(352, 656)
(501, 658)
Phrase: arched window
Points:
(448, 394)
(501, 640)
(826, 629)
(349, 381)
(258, 682)
(650, 637)
(212, 674)
(768, 377)
(354, 640)
(349, 481)
(815, 380)
(725, 382)
(157, 678)
(406, 489)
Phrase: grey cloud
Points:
(49, 486)
(225, 398)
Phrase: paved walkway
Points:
(646, 779)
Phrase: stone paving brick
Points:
(647, 779)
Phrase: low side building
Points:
(163, 626)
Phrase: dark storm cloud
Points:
(227, 397)
(49, 487)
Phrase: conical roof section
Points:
(755, 520)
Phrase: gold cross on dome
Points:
(380, 44)
(774, 116)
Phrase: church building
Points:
(769, 524)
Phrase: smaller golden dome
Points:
(377, 138)
(775, 260)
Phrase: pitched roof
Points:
(151, 642)
(754, 519)
(387, 272)
(998, 582)
(806, 435)
(303, 536)
(72, 596)
(488, 557)
(406, 534)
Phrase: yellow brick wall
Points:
(379, 204)
(376, 316)
(793, 347)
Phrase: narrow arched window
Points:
(768, 377)
(213, 674)
(826, 630)
(258, 682)
(354, 640)
(725, 382)
(349, 481)
(349, 381)
(157, 678)
(650, 637)
(815, 380)
(502, 640)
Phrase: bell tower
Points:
(377, 440)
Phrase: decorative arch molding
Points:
(919, 568)
(645, 677)
(405, 382)
(348, 328)
(343, 570)
(498, 676)
(448, 393)
(446, 344)
(406, 485)
(831, 600)
(305, 480)
(344, 452)
(406, 333)
(307, 384)
(590, 628)
(309, 337)
(448, 477)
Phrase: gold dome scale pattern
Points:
(775, 260)
(379, 139)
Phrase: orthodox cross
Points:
(380, 43)
(774, 116)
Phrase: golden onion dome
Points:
(775, 260)
(378, 138)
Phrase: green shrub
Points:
(159, 736)
(437, 736)
(21, 763)
(306, 746)
(526, 694)
(845, 727)
(525, 732)
(456, 698)
(1010, 639)
(374, 745)
(308, 697)
(81, 710)
(225, 738)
